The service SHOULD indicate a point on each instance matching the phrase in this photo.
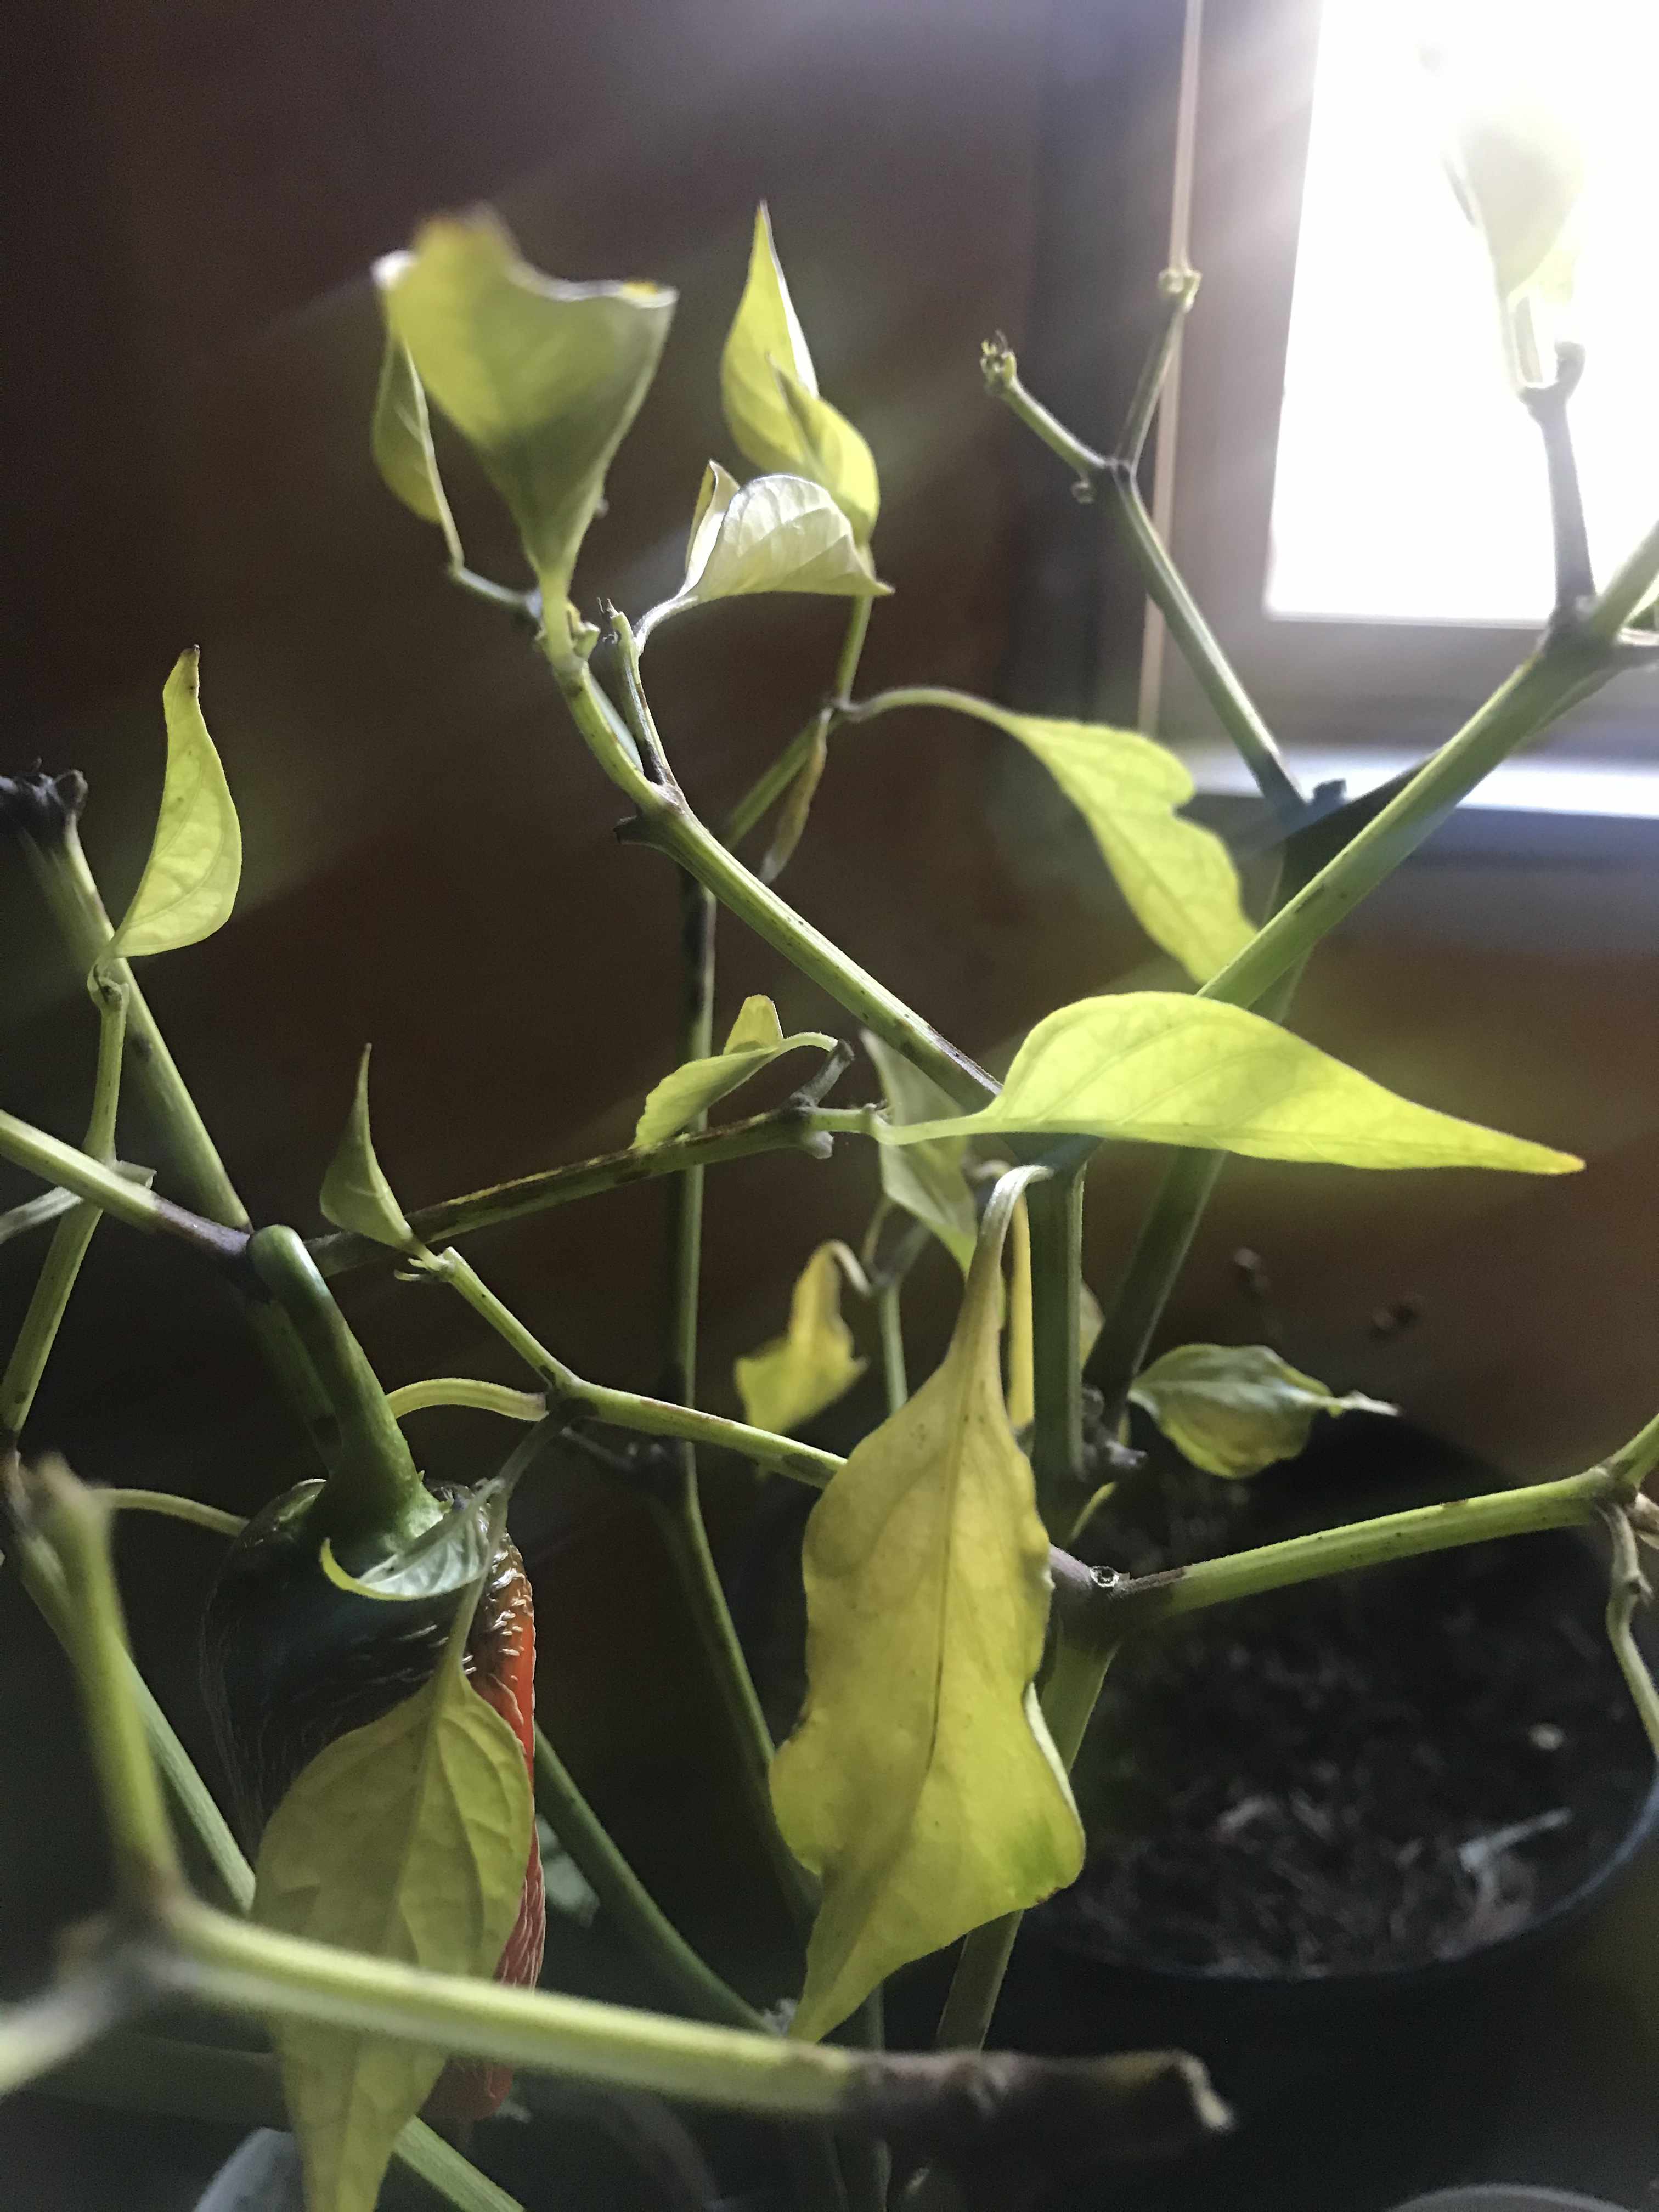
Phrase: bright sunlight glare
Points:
(1409, 485)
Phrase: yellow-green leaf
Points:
(1233, 1409)
(1518, 167)
(355, 1193)
(756, 1040)
(407, 1839)
(776, 533)
(790, 1381)
(541, 377)
(1160, 1068)
(447, 1556)
(924, 1181)
(400, 439)
(189, 884)
(770, 391)
(920, 1784)
(1175, 876)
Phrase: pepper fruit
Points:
(289, 1661)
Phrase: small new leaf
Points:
(355, 1193)
(449, 1557)
(770, 391)
(189, 884)
(406, 1840)
(1160, 1068)
(755, 1041)
(924, 1181)
(790, 1381)
(541, 377)
(1176, 877)
(400, 439)
(1233, 1409)
(776, 533)
(920, 1784)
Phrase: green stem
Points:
(374, 1489)
(890, 1320)
(639, 1918)
(1055, 1212)
(112, 1191)
(1177, 289)
(1068, 1699)
(76, 1528)
(1632, 1463)
(667, 822)
(572, 1398)
(461, 1391)
(55, 1285)
(59, 867)
(48, 2029)
(1627, 1590)
(175, 1508)
(788, 1129)
(774, 781)
(233, 1963)
(1201, 650)
(696, 1041)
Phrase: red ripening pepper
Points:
(290, 1661)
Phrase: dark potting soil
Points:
(1369, 1772)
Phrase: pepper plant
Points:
(369, 1644)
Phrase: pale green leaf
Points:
(1233, 1409)
(756, 1040)
(355, 1193)
(1175, 876)
(790, 1381)
(400, 439)
(791, 823)
(776, 533)
(189, 884)
(924, 1181)
(1518, 167)
(920, 1784)
(542, 378)
(770, 391)
(407, 1839)
(447, 1556)
(1160, 1068)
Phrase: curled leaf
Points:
(355, 1193)
(189, 884)
(448, 1557)
(406, 1840)
(927, 1181)
(1176, 877)
(400, 439)
(776, 533)
(790, 1381)
(755, 1041)
(541, 377)
(920, 1784)
(770, 391)
(1160, 1068)
(1233, 1409)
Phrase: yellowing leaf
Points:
(1160, 1068)
(1233, 1409)
(407, 1839)
(756, 1040)
(794, 1377)
(189, 884)
(924, 1181)
(400, 439)
(776, 533)
(355, 1193)
(770, 391)
(921, 1784)
(1175, 876)
(541, 377)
